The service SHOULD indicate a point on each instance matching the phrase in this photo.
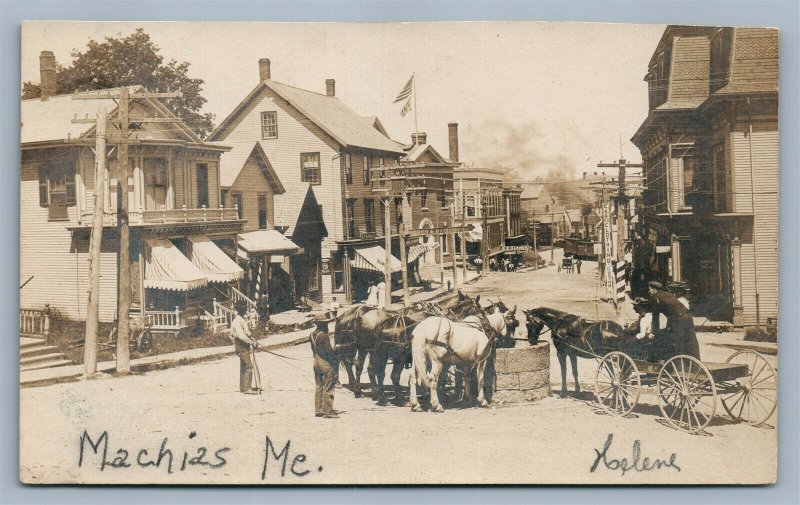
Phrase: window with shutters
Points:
(57, 188)
(269, 125)
(309, 165)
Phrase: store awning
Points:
(373, 259)
(415, 251)
(167, 268)
(476, 234)
(266, 241)
(212, 261)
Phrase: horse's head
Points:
(464, 308)
(534, 322)
(510, 318)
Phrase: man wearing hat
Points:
(325, 367)
(679, 336)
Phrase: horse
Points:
(437, 342)
(355, 333)
(574, 337)
(503, 320)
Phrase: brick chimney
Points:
(453, 131)
(420, 138)
(330, 87)
(263, 69)
(47, 74)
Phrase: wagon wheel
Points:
(687, 395)
(756, 394)
(617, 383)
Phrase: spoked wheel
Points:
(687, 395)
(754, 395)
(617, 383)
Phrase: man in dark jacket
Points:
(325, 368)
(679, 337)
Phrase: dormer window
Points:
(269, 125)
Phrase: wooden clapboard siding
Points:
(251, 183)
(689, 72)
(760, 245)
(47, 252)
(296, 134)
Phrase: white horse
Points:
(438, 342)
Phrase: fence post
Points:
(221, 212)
(177, 316)
(204, 214)
(46, 324)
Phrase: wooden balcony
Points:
(183, 215)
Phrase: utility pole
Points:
(463, 201)
(387, 273)
(122, 139)
(401, 233)
(535, 253)
(552, 233)
(485, 238)
(451, 236)
(93, 300)
(622, 200)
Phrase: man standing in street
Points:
(325, 368)
(578, 266)
(242, 344)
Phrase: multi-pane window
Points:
(202, 185)
(309, 164)
(262, 212)
(57, 184)
(337, 271)
(269, 125)
(369, 217)
(348, 169)
(236, 201)
(156, 182)
(367, 162)
(313, 274)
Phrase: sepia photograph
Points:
(398, 253)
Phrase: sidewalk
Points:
(48, 376)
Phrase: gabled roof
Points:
(229, 172)
(51, 120)
(417, 151)
(289, 207)
(327, 112)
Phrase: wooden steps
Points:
(34, 354)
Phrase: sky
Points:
(545, 100)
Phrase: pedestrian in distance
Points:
(578, 266)
(243, 344)
(325, 368)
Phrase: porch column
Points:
(736, 287)
(676, 259)
(265, 259)
(347, 273)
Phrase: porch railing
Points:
(223, 316)
(166, 319)
(35, 323)
(237, 296)
(169, 216)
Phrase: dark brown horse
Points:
(574, 337)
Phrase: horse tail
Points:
(419, 362)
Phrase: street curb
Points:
(160, 364)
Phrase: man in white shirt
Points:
(240, 333)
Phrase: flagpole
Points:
(414, 89)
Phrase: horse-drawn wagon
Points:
(688, 389)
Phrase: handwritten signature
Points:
(636, 463)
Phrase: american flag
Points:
(406, 91)
(406, 108)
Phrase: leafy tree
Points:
(132, 60)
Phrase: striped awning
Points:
(166, 268)
(266, 241)
(476, 234)
(415, 251)
(212, 261)
(373, 259)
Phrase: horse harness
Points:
(446, 345)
